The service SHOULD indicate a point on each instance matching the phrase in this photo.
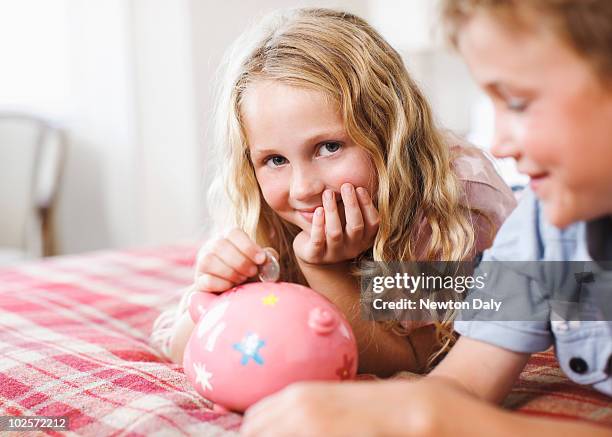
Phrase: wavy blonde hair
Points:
(384, 112)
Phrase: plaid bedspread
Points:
(74, 342)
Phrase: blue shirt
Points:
(583, 348)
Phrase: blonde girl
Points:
(547, 66)
(327, 152)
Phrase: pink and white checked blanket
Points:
(74, 337)
(74, 342)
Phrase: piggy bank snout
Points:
(322, 320)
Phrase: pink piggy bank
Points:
(255, 339)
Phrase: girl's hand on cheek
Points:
(226, 262)
(328, 242)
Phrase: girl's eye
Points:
(275, 161)
(329, 148)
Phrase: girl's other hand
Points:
(226, 262)
(328, 242)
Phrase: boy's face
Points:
(553, 115)
(299, 147)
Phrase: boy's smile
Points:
(553, 115)
(299, 148)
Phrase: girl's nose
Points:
(305, 184)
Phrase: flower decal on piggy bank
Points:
(255, 339)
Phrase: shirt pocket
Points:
(584, 350)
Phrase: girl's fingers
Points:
(212, 283)
(216, 267)
(202, 259)
(333, 225)
(352, 212)
(247, 246)
(371, 218)
(317, 232)
(227, 252)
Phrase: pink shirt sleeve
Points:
(484, 190)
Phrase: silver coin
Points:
(270, 270)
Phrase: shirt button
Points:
(578, 365)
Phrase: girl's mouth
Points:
(308, 213)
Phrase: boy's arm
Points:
(381, 351)
(481, 369)
(455, 400)
(429, 407)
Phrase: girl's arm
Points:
(380, 351)
(182, 331)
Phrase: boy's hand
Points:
(328, 242)
(226, 262)
(432, 406)
(425, 408)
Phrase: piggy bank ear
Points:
(199, 301)
(322, 320)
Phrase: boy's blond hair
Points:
(584, 25)
(383, 111)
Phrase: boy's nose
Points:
(305, 185)
(505, 149)
(506, 142)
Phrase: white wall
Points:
(168, 151)
(97, 203)
(132, 176)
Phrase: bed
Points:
(74, 342)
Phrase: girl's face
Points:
(299, 148)
(553, 115)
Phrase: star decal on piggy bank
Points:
(270, 300)
(249, 346)
(202, 376)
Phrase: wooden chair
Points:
(32, 154)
